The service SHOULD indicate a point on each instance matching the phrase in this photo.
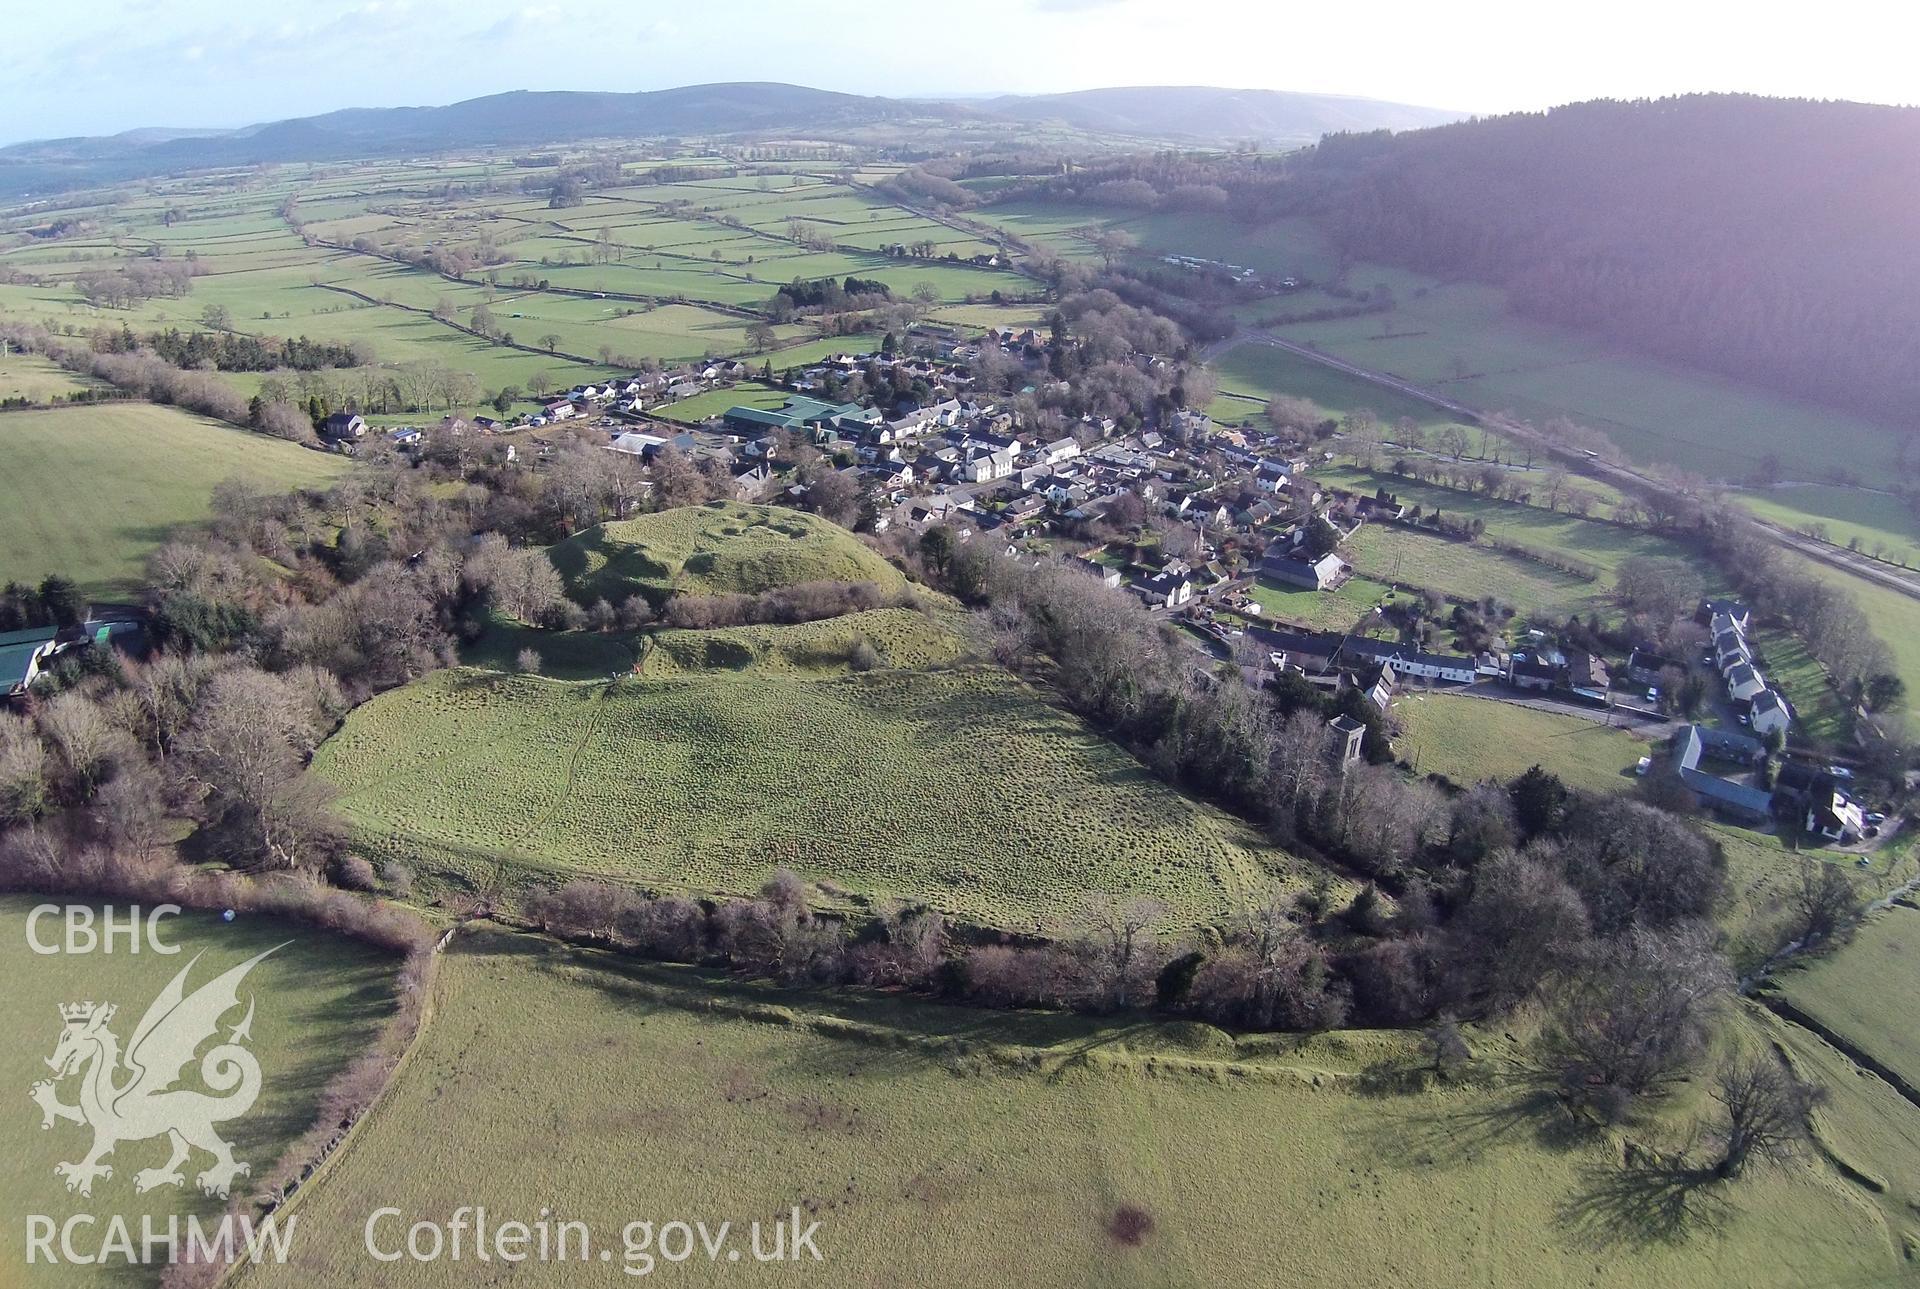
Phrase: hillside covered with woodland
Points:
(1767, 239)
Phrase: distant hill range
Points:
(523, 118)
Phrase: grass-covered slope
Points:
(91, 491)
(934, 635)
(713, 549)
(962, 788)
(997, 1149)
(1857, 991)
(899, 637)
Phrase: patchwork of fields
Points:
(91, 491)
(961, 788)
(637, 271)
(917, 1135)
(321, 1000)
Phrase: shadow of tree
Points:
(1393, 1077)
(1648, 1200)
(1511, 1106)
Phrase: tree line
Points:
(235, 351)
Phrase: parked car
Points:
(1645, 763)
(1876, 817)
(1840, 772)
(1653, 694)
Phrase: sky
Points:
(100, 66)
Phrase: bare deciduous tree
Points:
(23, 771)
(1763, 1112)
(1635, 1016)
(1121, 949)
(1824, 902)
(242, 752)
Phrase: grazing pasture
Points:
(321, 1000)
(1473, 739)
(1139, 1154)
(1397, 555)
(1856, 990)
(1604, 545)
(1884, 525)
(1863, 1122)
(1254, 370)
(91, 491)
(37, 380)
(1460, 340)
(961, 788)
(712, 549)
(1336, 610)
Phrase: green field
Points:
(38, 380)
(1895, 618)
(1263, 372)
(90, 492)
(999, 1148)
(1403, 556)
(1336, 610)
(903, 638)
(1471, 739)
(1604, 545)
(320, 1001)
(1862, 991)
(719, 547)
(1459, 339)
(1236, 409)
(961, 788)
(1863, 1123)
(624, 273)
(691, 411)
(1821, 712)
(1883, 525)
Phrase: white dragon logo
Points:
(141, 1105)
